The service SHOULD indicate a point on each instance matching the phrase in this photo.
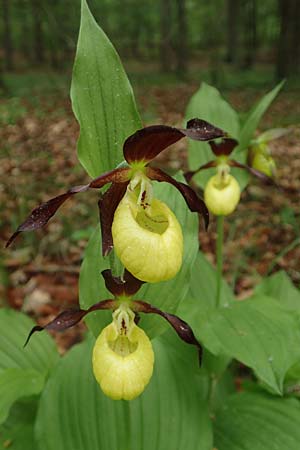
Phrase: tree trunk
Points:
(288, 56)
(233, 8)
(165, 37)
(7, 39)
(250, 40)
(181, 44)
(36, 6)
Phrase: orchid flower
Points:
(122, 356)
(143, 230)
(222, 191)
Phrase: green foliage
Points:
(251, 421)
(74, 413)
(41, 355)
(254, 117)
(23, 372)
(18, 431)
(102, 99)
(17, 383)
(280, 287)
(245, 330)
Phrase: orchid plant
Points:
(159, 386)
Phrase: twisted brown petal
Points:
(183, 329)
(43, 213)
(195, 203)
(189, 175)
(262, 176)
(70, 317)
(107, 207)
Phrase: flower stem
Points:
(219, 251)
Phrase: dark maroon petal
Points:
(195, 203)
(189, 175)
(224, 147)
(120, 175)
(183, 330)
(147, 143)
(70, 317)
(107, 207)
(126, 286)
(43, 213)
(200, 130)
(262, 176)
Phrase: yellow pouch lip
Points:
(148, 255)
(123, 377)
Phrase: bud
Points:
(147, 238)
(222, 194)
(123, 359)
(260, 159)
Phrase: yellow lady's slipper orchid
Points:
(222, 194)
(123, 358)
(147, 238)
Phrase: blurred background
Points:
(168, 47)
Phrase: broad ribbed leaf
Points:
(251, 421)
(201, 300)
(280, 287)
(249, 127)
(170, 414)
(102, 99)
(257, 332)
(40, 355)
(17, 432)
(208, 104)
(17, 383)
(166, 295)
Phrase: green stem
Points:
(220, 237)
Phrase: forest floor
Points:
(39, 273)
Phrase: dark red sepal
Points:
(128, 285)
(195, 203)
(145, 144)
(225, 147)
(183, 329)
(71, 317)
(43, 213)
(200, 130)
(107, 206)
(262, 176)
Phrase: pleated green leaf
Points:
(208, 104)
(170, 414)
(40, 354)
(257, 332)
(249, 127)
(102, 99)
(17, 432)
(251, 421)
(280, 287)
(166, 295)
(17, 383)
